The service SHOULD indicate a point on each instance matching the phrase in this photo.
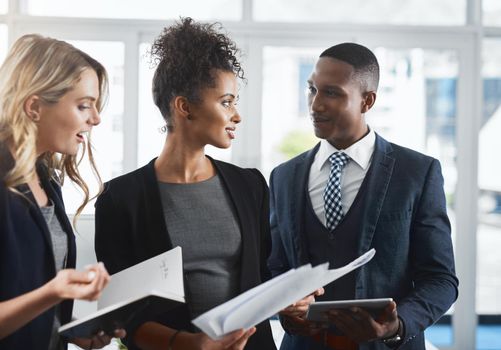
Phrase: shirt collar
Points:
(360, 152)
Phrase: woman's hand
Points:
(233, 341)
(73, 284)
(68, 284)
(98, 341)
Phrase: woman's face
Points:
(213, 120)
(62, 125)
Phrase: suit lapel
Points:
(159, 236)
(238, 194)
(5, 165)
(299, 188)
(377, 186)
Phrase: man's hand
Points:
(358, 324)
(300, 307)
(293, 316)
(299, 326)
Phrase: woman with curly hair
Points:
(50, 97)
(217, 212)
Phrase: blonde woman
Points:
(50, 97)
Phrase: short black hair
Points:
(187, 54)
(361, 59)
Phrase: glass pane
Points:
(146, 9)
(412, 12)
(150, 135)
(491, 12)
(285, 72)
(489, 205)
(3, 6)
(3, 42)
(416, 108)
(107, 137)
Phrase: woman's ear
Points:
(368, 101)
(32, 107)
(181, 107)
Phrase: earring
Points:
(189, 117)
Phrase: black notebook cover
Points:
(120, 315)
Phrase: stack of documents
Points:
(150, 287)
(261, 302)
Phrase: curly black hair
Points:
(187, 54)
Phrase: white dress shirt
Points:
(352, 175)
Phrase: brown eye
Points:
(310, 90)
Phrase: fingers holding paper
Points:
(86, 285)
(237, 340)
(359, 325)
(233, 341)
(300, 308)
(293, 316)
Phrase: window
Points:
(411, 12)
(3, 6)
(148, 9)
(489, 175)
(150, 129)
(286, 128)
(491, 12)
(107, 137)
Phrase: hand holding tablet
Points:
(318, 310)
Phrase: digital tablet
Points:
(318, 311)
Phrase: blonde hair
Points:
(48, 68)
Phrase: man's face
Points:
(336, 103)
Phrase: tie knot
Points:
(339, 158)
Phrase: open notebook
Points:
(150, 287)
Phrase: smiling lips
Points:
(230, 132)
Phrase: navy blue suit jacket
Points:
(404, 218)
(27, 260)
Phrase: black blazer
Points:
(26, 257)
(130, 228)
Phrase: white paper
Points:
(162, 273)
(265, 300)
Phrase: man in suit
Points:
(355, 191)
